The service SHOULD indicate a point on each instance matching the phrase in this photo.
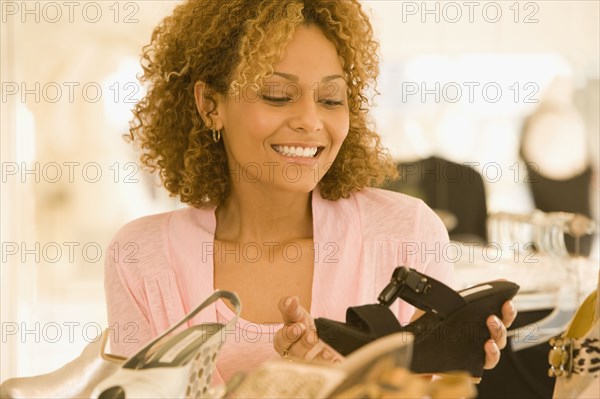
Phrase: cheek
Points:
(258, 125)
(249, 124)
(340, 130)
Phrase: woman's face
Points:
(286, 134)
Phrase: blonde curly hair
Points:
(214, 41)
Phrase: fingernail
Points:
(511, 307)
(495, 348)
(290, 301)
(326, 355)
(296, 330)
(311, 337)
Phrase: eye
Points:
(276, 100)
(331, 103)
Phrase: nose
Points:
(306, 115)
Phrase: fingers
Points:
(509, 313)
(298, 336)
(498, 341)
(492, 354)
(328, 354)
(289, 310)
(287, 336)
(293, 312)
(497, 331)
(302, 346)
(307, 346)
(293, 335)
(498, 334)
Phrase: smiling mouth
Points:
(297, 151)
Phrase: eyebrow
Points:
(294, 78)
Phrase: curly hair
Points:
(228, 44)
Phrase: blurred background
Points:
(498, 100)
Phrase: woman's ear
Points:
(205, 104)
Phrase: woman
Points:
(256, 117)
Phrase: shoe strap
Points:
(377, 318)
(218, 294)
(422, 291)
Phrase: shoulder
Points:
(139, 249)
(409, 232)
(377, 198)
(151, 239)
(395, 216)
(142, 231)
(150, 229)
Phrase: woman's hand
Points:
(498, 334)
(298, 336)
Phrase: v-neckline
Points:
(313, 201)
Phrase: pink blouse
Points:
(160, 267)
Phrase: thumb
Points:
(290, 309)
(292, 312)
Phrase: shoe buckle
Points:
(403, 277)
(416, 282)
(560, 357)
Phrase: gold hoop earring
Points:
(216, 134)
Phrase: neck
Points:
(264, 216)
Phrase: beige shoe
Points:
(75, 379)
(351, 378)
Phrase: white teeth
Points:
(305, 152)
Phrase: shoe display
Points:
(449, 336)
(75, 379)
(301, 379)
(173, 366)
(400, 383)
(575, 355)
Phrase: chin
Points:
(301, 186)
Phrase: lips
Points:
(296, 151)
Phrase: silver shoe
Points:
(177, 365)
(75, 379)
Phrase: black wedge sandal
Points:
(449, 336)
